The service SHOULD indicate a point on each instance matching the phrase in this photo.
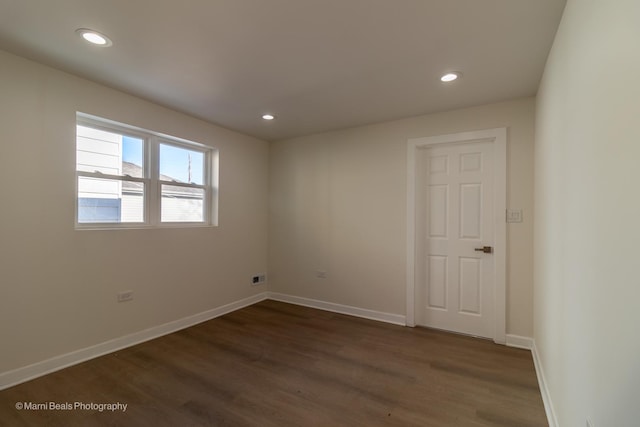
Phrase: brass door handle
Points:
(485, 249)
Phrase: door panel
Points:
(470, 285)
(438, 211)
(437, 282)
(471, 211)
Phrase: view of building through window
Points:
(113, 179)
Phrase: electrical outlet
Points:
(258, 279)
(125, 296)
(321, 274)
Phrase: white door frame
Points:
(499, 138)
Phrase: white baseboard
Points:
(542, 382)
(380, 316)
(529, 344)
(26, 373)
(518, 341)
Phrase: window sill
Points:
(102, 227)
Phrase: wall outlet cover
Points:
(125, 296)
(258, 279)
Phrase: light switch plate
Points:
(514, 215)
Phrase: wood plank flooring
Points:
(276, 364)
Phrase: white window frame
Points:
(151, 177)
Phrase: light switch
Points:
(514, 215)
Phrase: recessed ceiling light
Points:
(94, 37)
(268, 116)
(449, 77)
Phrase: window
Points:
(129, 177)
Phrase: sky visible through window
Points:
(181, 164)
(132, 150)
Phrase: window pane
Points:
(181, 165)
(109, 200)
(182, 204)
(108, 152)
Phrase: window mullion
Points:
(208, 208)
(154, 186)
(205, 203)
(213, 182)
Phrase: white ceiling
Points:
(316, 64)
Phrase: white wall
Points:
(587, 287)
(338, 204)
(58, 286)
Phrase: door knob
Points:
(485, 249)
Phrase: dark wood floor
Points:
(275, 364)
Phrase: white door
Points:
(455, 270)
